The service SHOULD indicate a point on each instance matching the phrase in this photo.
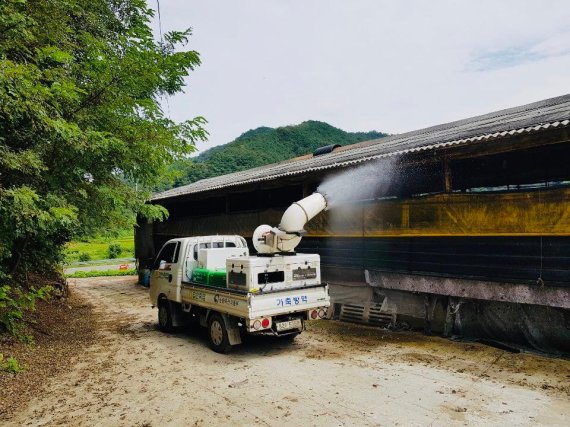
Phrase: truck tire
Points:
(218, 333)
(164, 316)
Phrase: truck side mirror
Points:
(162, 265)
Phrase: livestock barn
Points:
(462, 229)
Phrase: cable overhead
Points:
(162, 42)
(159, 21)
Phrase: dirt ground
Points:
(333, 374)
(61, 330)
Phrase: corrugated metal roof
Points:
(542, 115)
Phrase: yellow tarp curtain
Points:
(544, 212)
(523, 213)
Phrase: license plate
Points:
(290, 324)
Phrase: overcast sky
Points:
(360, 65)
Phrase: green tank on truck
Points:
(208, 277)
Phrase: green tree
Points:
(82, 133)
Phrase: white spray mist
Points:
(368, 181)
(346, 189)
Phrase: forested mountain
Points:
(262, 146)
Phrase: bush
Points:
(114, 250)
(13, 304)
(84, 256)
(10, 365)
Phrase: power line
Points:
(159, 20)
(162, 41)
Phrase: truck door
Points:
(165, 270)
(191, 261)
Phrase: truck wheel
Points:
(164, 316)
(219, 341)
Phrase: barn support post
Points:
(447, 177)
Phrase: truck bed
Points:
(249, 305)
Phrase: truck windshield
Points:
(169, 253)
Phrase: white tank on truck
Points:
(276, 265)
(214, 280)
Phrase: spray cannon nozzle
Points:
(301, 212)
(287, 236)
(326, 197)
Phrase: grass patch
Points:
(101, 273)
(10, 365)
(98, 247)
(112, 262)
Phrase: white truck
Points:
(214, 280)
